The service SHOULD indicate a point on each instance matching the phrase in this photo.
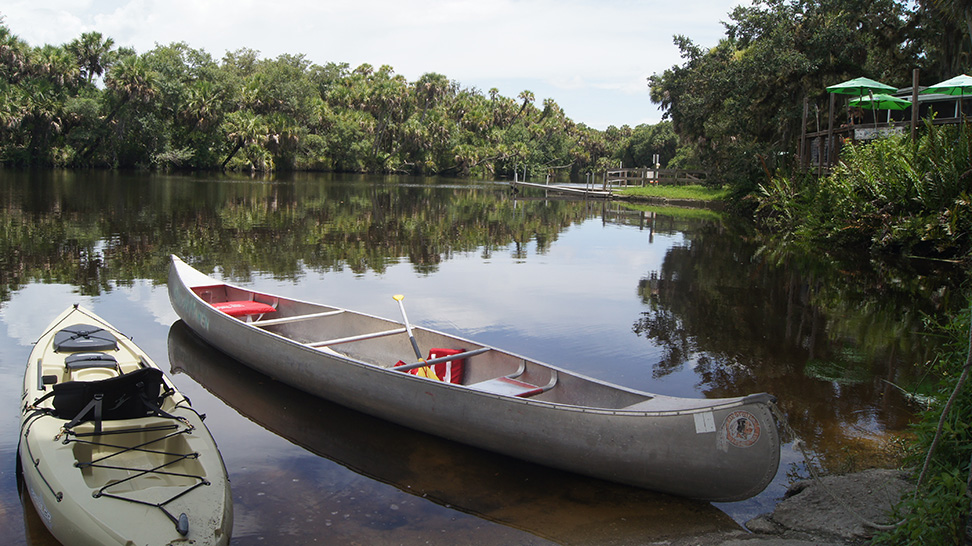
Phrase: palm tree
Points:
(11, 109)
(527, 97)
(14, 56)
(56, 65)
(202, 105)
(43, 116)
(430, 89)
(243, 128)
(93, 52)
(130, 80)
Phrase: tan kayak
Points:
(111, 452)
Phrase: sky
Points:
(592, 57)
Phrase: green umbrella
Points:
(959, 85)
(881, 102)
(860, 87)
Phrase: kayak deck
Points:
(111, 451)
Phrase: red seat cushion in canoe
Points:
(243, 308)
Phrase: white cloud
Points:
(607, 48)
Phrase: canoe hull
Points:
(77, 504)
(713, 450)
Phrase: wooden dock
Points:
(577, 191)
(644, 176)
(616, 179)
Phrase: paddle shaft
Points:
(408, 327)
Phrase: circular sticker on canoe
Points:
(742, 428)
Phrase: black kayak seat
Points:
(80, 361)
(128, 396)
(84, 337)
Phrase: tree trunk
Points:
(90, 150)
(239, 144)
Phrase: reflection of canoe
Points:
(560, 506)
(110, 452)
(720, 449)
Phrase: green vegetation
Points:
(694, 192)
(894, 195)
(681, 213)
(735, 110)
(938, 513)
(738, 110)
(90, 104)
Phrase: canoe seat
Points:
(244, 308)
(507, 386)
(511, 385)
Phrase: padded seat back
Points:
(134, 394)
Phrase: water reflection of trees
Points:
(833, 335)
(96, 230)
(828, 337)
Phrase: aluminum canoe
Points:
(710, 449)
(111, 452)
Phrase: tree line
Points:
(88, 103)
(734, 109)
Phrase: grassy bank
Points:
(690, 193)
(685, 213)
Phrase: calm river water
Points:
(677, 302)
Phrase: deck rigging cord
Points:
(180, 522)
(180, 426)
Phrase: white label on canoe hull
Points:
(704, 422)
